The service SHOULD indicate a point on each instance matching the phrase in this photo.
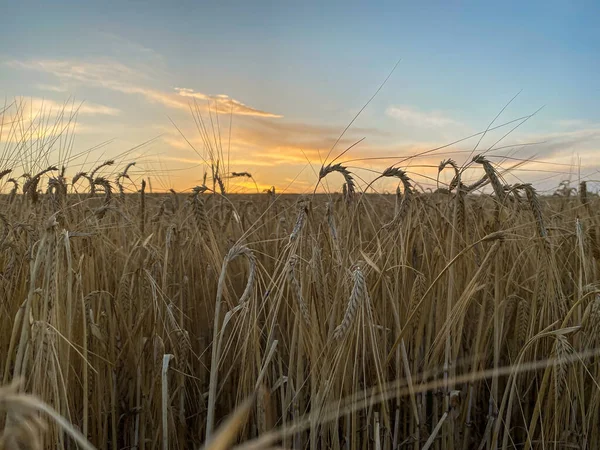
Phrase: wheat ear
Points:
(492, 176)
(359, 291)
(350, 184)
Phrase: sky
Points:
(270, 86)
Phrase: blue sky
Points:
(297, 74)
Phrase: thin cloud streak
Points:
(85, 108)
(564, 144)
(52, 88)
(411, 116)
(570, 123)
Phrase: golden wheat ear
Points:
(23, 423)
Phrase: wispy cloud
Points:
(570, 123)
(127, 48)
(563, 144)
(34, 119)
(414, 117)
(51, 88)
(84, 108)
(116, 76)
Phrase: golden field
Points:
(452, 319)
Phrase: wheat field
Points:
(466, 317)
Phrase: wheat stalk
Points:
(143, 207)
(591, 322)
(220, 183)
(4, 172)
(239, 250)
(123, 175)
(401, 211)
(13, 192)
(562, 350)
(31, 185)
(110, 162)
(90, 180)
(297, 289)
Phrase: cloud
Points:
(225, 104)
(46, 133)
(103, 73)
(411, 116)
(563, 144)
(126, 47)
(570, 123)
(558, 155)
(51, 88)
(83, 108)
(232, 162)
(116, 76)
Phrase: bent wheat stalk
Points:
(350, 184)
(234, 252)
